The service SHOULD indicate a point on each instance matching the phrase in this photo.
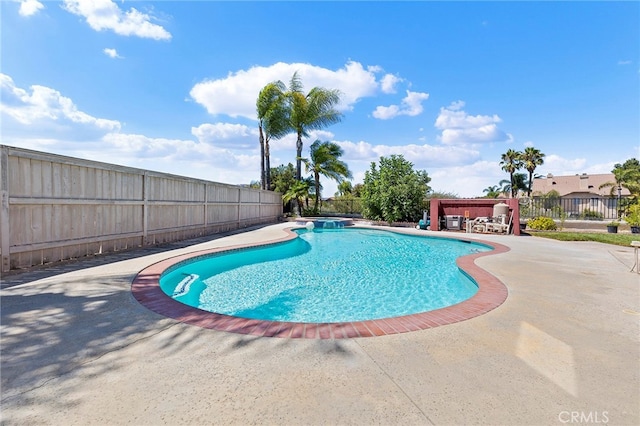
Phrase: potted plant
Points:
(612, 227)
(633, 218)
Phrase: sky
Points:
(171, 86)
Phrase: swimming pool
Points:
(328, 276)
(145, 288)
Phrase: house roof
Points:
(580, 185)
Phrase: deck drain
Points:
(630, 312)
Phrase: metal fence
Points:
(574, 208)
(349, 206)
(596, 208)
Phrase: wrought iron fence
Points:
(558, 208)
(350, 206)
(574, 208)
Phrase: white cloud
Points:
(388, 83)
(106, 15)
(627, 62)
(557, 165)
(422, 156)
(112, 53)
(29, 7)
(230, 135)
(468, 180)
(386, 112)
(44, 104)
(460, 128)
(180, 157)
(411, 105)
(235, 95)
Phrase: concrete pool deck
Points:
(564, 348)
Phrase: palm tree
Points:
(625, 175)
(273, 122)
(312, 111)
(344, 188)
(511, 163)
(517, 184)
(298, 191)
(492, 191)
(325, 160)
(530, 159)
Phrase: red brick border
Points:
(491, 294)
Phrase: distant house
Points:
(581, 192)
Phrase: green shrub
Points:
(592, 215)
(542, 223)
(633, 215)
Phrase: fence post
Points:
(145, 209)
(5, 243)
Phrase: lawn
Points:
(617, 239)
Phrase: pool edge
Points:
(491, 293)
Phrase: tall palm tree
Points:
(312, 111)
(530, 159)
(511, 163)
(273, 122)
(325, 160)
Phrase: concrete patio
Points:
(564, 347)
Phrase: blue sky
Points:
(171, 86)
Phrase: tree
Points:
(298, 191)
(357, 190)
(511, 163)
(282, 178)
(492, 191)
(344, 188)
(530, 159)
(394, 191)
(313, 111)
(443, 195)
(517, 183)
(627, 176)
(325, 161)
(273, 122)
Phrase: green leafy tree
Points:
(282, 178)
(492, 191)
(325, 161)
(511, 164)
(443, 195)
(530, 159)
(394, 191)
(627, 176)
(312, 111)
(344, 188)
(517, 183)
(298, 192)
(357, 190)
(273, 122)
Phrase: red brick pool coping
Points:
(491, 294)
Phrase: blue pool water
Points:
(327, 276)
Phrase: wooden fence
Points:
(55, 208)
